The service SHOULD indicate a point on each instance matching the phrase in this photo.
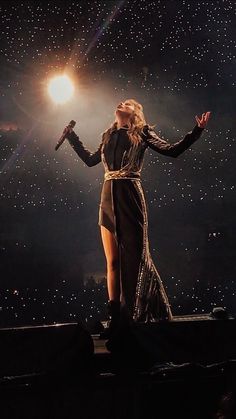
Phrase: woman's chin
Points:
(121, 112)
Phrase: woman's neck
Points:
(122, 122)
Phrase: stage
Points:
(182, 368)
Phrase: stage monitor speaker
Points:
(197, 339)
(44, 349)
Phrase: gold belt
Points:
(117, 174)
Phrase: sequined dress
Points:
(123, 211)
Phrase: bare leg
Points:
(112, 257)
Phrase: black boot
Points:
(113, 308)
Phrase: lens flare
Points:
(61, 89)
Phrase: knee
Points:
(113, 264)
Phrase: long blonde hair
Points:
(135, 124)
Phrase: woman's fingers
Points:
(207, 115)
(67, 130)
(202, 121)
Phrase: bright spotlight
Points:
(60, 89)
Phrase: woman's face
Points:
(125, 108)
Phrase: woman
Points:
(134, 285)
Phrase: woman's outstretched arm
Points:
(177, 148)
(166, 148)
(88, 157)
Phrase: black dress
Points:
(123, 211)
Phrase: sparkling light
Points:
(178, 58)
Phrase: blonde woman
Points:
(135, 289)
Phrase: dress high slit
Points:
(123, 212)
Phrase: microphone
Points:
(63, 137)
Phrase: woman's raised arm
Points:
(177, 148)
(163, 147)
(88, 157)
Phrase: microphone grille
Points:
(72, 123)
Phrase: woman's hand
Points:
(67, 130)
(202, 121)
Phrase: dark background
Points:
(178, 59)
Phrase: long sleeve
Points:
(88, 157)
(168, 149)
